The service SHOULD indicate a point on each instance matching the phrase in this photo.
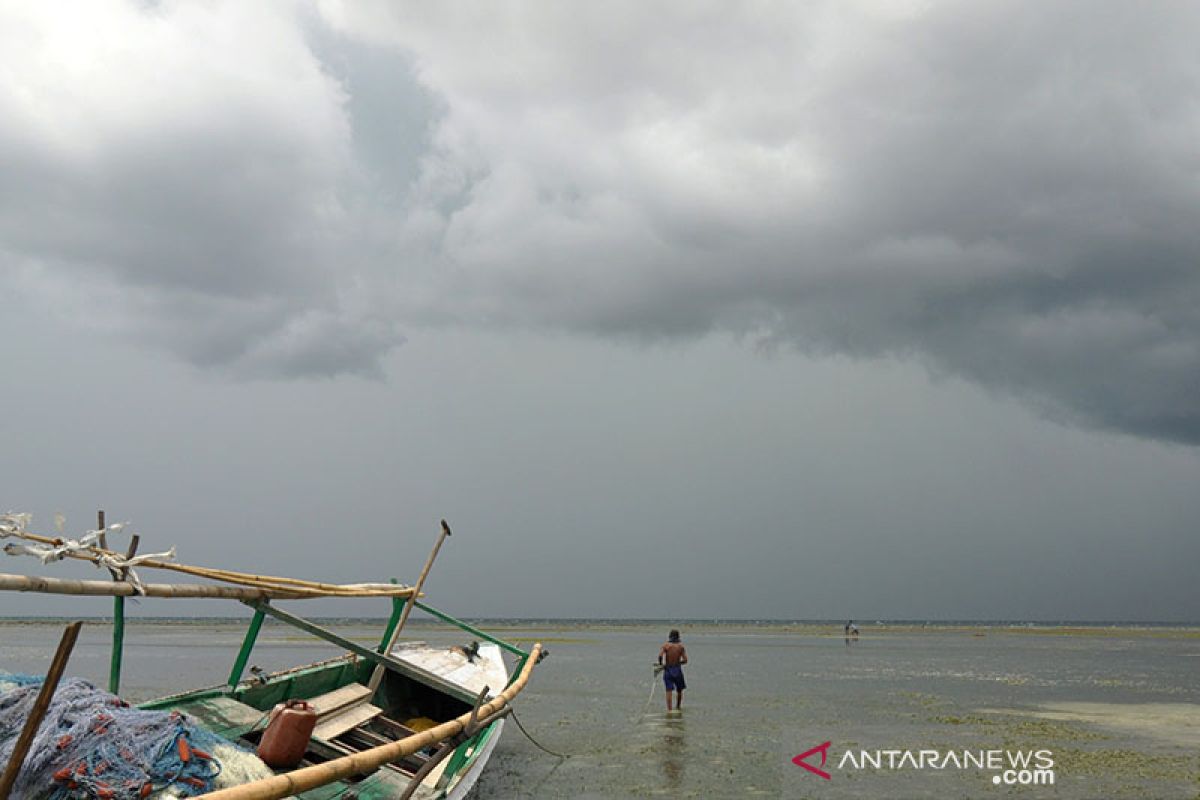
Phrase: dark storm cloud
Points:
(1004, 192)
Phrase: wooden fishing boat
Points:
(395, 721)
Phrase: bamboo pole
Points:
(30, 583)
(34, 721)
(299, 584)
(296, 585)
(377, 675)
(311, 777)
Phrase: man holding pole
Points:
(672, 657)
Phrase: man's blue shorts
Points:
(673, 678)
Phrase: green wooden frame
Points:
(243, 656)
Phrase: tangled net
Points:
(93, 745)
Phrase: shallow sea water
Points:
(1118, 709)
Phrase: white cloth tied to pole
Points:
(54, 552)
(125, 566)
(116, 527)
(35, 550)
(14, 524)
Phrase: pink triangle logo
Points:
(823, 749)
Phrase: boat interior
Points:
(349, 718)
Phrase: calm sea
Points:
(1115, 708)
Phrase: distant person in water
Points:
(851, 629)
(672, 657)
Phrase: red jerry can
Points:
(289, 728)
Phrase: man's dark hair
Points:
(673, 636)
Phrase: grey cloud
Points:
(322, 344)
(1003, 192)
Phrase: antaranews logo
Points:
(1011, 767)
(823, 749)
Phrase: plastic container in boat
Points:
(289, 728)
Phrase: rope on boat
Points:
(534, 741)
(636, 721)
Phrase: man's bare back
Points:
(674, 654)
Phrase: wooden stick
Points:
(103, 539)
(322, 774)
(34, 721)
(30, 583)
(430, 765)
(377, 675)
(475, 709)
(130, 553)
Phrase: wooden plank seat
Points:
(342, 709)
(332, 702)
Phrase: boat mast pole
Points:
(377, 675)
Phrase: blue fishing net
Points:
(93, 745)
(10, 680)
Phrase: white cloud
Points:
(194, 159)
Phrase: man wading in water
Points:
(673, 656)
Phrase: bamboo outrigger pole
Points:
(377, 675)
(30, 583)
(311, 777)
(297, 586)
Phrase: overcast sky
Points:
(672, 310)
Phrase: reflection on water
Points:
(672, 746)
